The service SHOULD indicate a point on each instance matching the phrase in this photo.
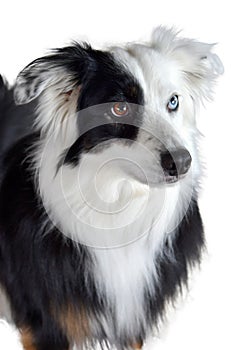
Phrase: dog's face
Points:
(118, 128)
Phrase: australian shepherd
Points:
(99, 181)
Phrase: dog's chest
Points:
(124, 275)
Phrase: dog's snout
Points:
(176, 163)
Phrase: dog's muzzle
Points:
(175, 164)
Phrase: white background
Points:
(203, 320)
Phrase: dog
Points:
(100, 174)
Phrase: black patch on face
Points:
(107, 82)
(101, 79)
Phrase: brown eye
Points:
(120, 109)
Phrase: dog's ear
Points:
(200, 67)
(64, 69)
(196, 61)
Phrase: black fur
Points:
(15, 121)
(41, 269)
(106, 82)
(44, 272)
(186, 250)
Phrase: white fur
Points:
(114, 209)
(9, 337)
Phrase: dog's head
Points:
(118, 124)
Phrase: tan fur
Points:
(75, 324)
(27, 339)
(137, 345)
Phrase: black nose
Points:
(176, 162)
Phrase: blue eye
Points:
(173, 103)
